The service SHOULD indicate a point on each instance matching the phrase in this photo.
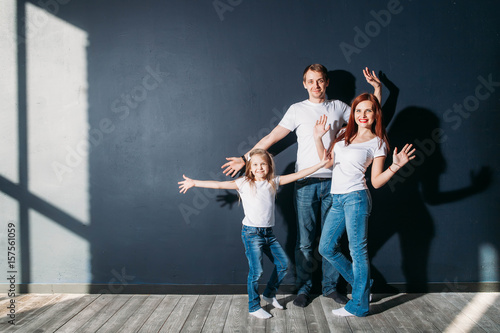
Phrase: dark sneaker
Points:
(301, 300)
(338, 297)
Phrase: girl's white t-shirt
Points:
(258, 202)
(350, 164)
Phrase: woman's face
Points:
(364, 114)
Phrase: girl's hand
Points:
(185, 184)
(319, 128)
(405, 155)
(371, 78)
(327, 156)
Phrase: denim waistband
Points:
(258, 228)
(313, 180)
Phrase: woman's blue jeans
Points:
(259, 241)
(350, 213)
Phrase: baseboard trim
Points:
(225, 289)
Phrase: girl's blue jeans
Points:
(259, 241)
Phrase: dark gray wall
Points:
(225, 72)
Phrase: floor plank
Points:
(105, 314)
(19, 302)
(86, 314)
(278, 322)
(128, 309)
(295, 319)
(137, 319)
(64, 313)
(35, 309)
(199, 313)
(474, 309)
(237, 317)
(391, 308)
(335, 323)
(218, 314)
(179, 314)
(160, 315)
(315, 317)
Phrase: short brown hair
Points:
(316, 68)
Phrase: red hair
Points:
(351, 129)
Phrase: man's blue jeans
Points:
(313, 201)
(350, 213)
(260, 241)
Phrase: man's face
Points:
(315, 85)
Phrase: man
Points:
(313, 192)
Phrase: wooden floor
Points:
(436, 312)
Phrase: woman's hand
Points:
(405, 155)
(234, 165)
(371, 78)
(320, 128)
(186, 184)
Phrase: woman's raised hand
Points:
(186, 184)
(371, 78)
(405, 155)
(320, 128)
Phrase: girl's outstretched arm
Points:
(285, 179)
(379, 176)
(187, 183)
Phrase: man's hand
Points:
(234, 165)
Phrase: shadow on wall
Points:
(400, 206)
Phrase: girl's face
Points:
(259, 167)
(364, 115)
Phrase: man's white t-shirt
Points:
(258, 202)
(301, 117)
(350, 164)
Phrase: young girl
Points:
(257, 190)
(363, 142)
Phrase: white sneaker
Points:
(273, 301)
(261, 314)
(342, 312)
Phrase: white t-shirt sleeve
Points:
(239, 182)
(380, 151)
(346, 112)
(277, 182)
(289, 119)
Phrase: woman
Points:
(361, 143)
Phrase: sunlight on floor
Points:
(472, 313)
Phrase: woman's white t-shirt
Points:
(258, 202)
(350, 164)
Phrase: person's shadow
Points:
(400, 206)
